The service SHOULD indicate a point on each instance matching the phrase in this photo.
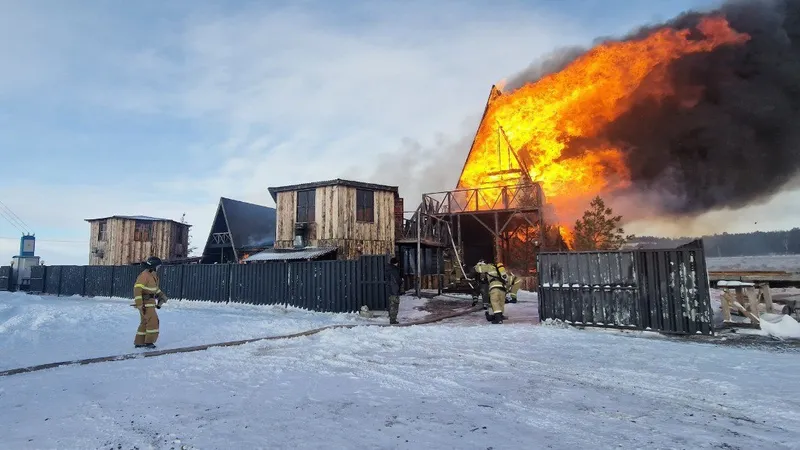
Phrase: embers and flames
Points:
(679, 119)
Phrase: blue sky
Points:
(160, 108)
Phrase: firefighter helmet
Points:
(153, 262)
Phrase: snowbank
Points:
(780, 326)
(41, 329)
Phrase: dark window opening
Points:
(142, 231)
(365, 206)
(305, 206)
(102, 231)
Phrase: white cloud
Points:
(296, 98)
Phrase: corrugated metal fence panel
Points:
(325, 289)
(592, 288)
(52, 280)
(5, 278)
(260, 284)
(300, 287)
(38, 274)
(170, 280)
(664, 290)
(703, 290)
(675, 293)
(208, 282)
(374, 289)
(350, 284)
(325, 286)
(124, 277)
(338, 286)
(99, 281)
(72, 280)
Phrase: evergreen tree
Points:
(599, 229)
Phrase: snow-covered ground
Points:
(462, 384)
(41, 329)
(782, 263)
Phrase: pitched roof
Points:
(141, 218)
(273, 191)
(487, 157)
(251, 226)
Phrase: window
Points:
(305, 206)
(365, 206)
(179, 234)
(102, 231)
(142, 231)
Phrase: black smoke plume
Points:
(739, 143)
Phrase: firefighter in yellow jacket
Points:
(496, 277)
(514, 283)
(148, 297)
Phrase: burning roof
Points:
(694, 114)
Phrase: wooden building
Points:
(353, 217)
(121, 240)
(240, 229)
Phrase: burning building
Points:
(671, 121)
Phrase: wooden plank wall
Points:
(336, 225)
(120, 247)
(286, 211)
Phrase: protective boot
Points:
(489, 317)
(497, 318)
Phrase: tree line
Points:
(600, 229)
(735, 244)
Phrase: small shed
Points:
(354, 217)
(239, 230)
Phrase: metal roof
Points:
(251, 226)
(304, 254)
(273, 191)
(142, 218)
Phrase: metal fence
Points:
(659, 290)
(327, 286)
(5, 278)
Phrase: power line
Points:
(16, 217)
(9, 220)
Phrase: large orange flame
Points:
(552, 128)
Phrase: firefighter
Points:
(395, 281)
(145, 293)
(514, 283)
(495, 274)
(481, 288)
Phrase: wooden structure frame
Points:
(744, 299)
(440, 222)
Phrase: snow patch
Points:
(555, 323)
(43, 329)
(780, 326)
